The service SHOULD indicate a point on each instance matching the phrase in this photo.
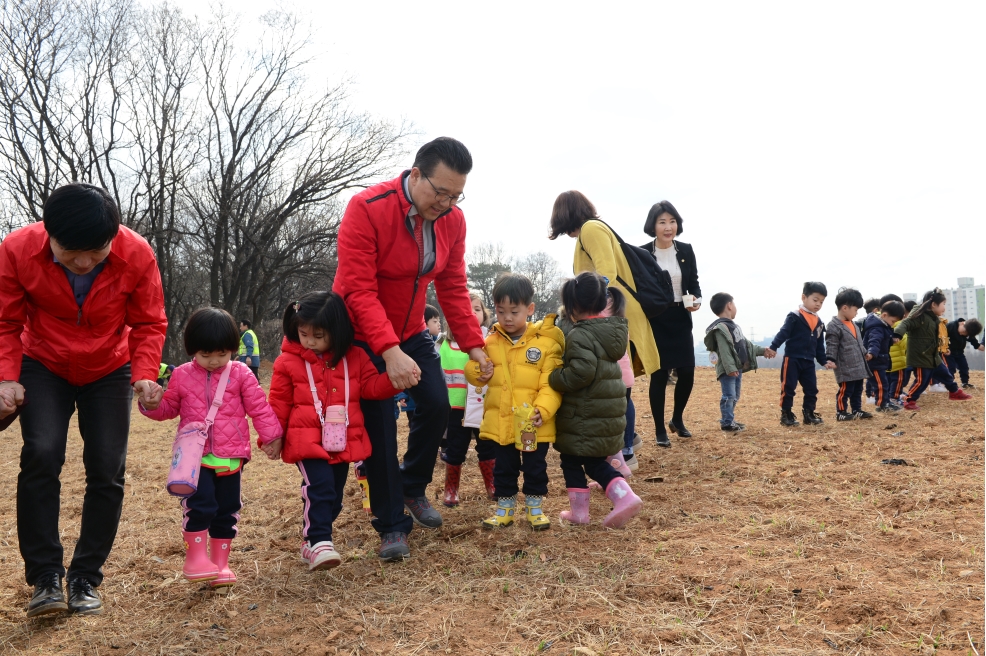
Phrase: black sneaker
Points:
(663, 441)
(83, 598)
(732, 428)
(888, 408)
(393, 547)
(788, 418)
(843, 416)
(48, 596)
(862, 414)
(741, 426)
(422, 513)
(968, 386)
(812, 418)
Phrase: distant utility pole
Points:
(753, 335)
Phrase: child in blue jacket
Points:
(877, 338)
(803, 337)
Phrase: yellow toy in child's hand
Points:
(525, 432)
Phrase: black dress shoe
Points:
(662, 440)
(48, 596)
(679, 428)
(83, 598)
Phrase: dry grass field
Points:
(774, 541)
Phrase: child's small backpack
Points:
(186, 452)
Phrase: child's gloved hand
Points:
(273, 449)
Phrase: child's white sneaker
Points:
(321, 555)
(937, 387)
(870, 400)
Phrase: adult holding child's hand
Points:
(82, 327)
(395, 239)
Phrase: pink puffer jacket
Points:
(190, 393)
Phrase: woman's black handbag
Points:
(654, 291)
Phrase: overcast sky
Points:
(841, 142)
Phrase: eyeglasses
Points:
(444, 198)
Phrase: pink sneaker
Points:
(626, 504)
(321, 555)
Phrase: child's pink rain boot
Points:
(219, 554)
(579, 500)
(197, 565)
(619, 464)
(626, 504)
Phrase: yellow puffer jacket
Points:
(531, 361)
(898, 353)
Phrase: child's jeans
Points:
(322, 486)
(575, 469)
(510, 462)
(731, 386)
(214, 506)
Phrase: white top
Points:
(667, 259)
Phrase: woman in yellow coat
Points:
(523, 355)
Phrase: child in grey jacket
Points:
(844, 347)
(733, 355)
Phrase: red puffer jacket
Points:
(291, 398)
(122, 319)
(378, 273)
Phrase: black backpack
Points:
(654, 291)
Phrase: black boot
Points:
(678, 426)
(788, 418)
(811, 417)
(662, 440)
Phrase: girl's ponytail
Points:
(586, 294)
(934, 297)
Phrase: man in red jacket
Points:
(81, 327)
(396, 238)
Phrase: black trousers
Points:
(459, 437)
(882, 389)
(958, 362)
(794, 371)
(898, 381)
(322, 486)
(511, 462)
(576, 468)
(389, 482)
(849, 398)
(104, 422)
(682, 391)
(215, 505)
(922, 378)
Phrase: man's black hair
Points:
(211, 329)
(886, 298)
(81, 217)
(894, 309)
(718, 303)
(871, 304)
(848, 296)
(431, 312)
(815, 288)
(247, 323)
(655, 212)
(323, 311)
(513, 288)
(450, 152)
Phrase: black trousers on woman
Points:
(673, 336)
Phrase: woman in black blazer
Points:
(673, 329)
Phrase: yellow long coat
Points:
(596, 249)
(531, 361)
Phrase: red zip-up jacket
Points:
(122, 319)
(379, 273)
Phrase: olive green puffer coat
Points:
(922, 339)
(592, 417)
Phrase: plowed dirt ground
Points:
(773, 541)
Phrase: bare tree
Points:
(485, 263)
(543, 272)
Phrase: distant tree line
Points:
(226, 153)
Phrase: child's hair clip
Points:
(295, 306)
